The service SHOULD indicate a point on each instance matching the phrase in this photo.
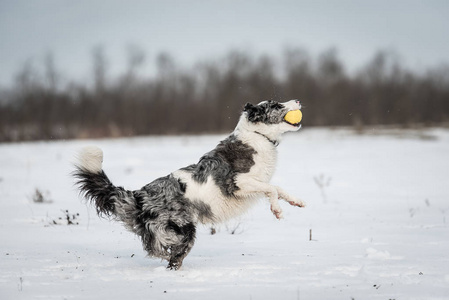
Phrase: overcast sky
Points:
(195, 30)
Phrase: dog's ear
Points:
(248, 107)
(253, 112)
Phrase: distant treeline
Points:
(208, 97)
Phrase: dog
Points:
(224, 183)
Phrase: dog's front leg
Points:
(253, 187)
(290, 199)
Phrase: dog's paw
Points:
(174, 266)
(297, 203)
(277, 212)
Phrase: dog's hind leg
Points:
(179, 251)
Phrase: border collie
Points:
(224, 183)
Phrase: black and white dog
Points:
(224, 183)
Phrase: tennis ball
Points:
(293, 116)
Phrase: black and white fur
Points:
(225, 182)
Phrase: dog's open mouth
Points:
(293, 117)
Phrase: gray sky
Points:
(194, 30)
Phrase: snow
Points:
(378, 207)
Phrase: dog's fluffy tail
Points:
(93, 183)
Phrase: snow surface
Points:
(378, 209)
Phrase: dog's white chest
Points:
(264, 164)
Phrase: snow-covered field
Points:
(378, 211)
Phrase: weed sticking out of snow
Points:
(322, 182)
(67, 219)
(41, 196)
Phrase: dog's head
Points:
(268, 117)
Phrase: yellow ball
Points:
(293, 116)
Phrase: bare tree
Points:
(52, 77)
(99, 69)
